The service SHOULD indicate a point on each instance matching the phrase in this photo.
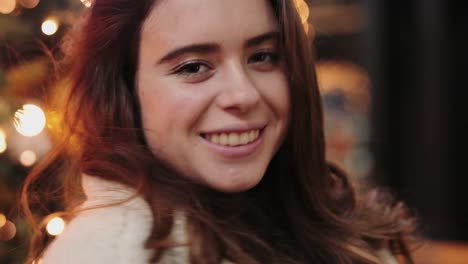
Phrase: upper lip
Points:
(235, 129)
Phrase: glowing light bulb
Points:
(55, 226)
(49, 26)
(2, 220)
(7, 228)
(7, 6)
(3, 144)
(86, 3)
(30, 120)
(29, 3)
(303, 10)
(27, 158)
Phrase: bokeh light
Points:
(7, 229)
(86, 3)
(30, 120)
(7, 6)
(3, 143)
(55, 226)
(29, 3)
(49, 26)
(28, 158)
(2, 220)
(303, 10)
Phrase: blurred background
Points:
(391, 74)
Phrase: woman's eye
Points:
(192, 69)
(264, 57)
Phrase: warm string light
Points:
(2, 220)
(30, 120)
(302, 9)
(55, 226)
(7, 228)
(29, 3)
(7, 6)
(3, 143)
(49, 26)
(304, 12)
(37, 261)
(28, 158)
(87, 3)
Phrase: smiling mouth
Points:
(233, 139)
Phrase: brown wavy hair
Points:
(304, 210)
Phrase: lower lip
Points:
(237, 151)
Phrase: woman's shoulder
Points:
(112, 226)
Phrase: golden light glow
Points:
(304, 12)
(29, 3)
(28, 158)
(30, 120)
(3, 144)
(7, 6)
(86, 3)
(37, 261)
(55, 226)
(2, 220)
(49, 26)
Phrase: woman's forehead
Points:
(176, 21)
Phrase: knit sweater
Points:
(117, 234)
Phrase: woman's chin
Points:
(235, 185)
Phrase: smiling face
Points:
(212, 90)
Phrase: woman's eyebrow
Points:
(193, 48)
(205, 48)
(271, 35)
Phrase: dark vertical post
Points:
(411, 59)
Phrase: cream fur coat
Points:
(114, 234)
(117, 234)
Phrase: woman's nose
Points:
(239, 93)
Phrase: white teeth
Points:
(252, 135)
(214, 138)
(233, 139)
(223, 139)
(244, 138)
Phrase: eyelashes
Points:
(198, 70)
(192, 68)
(264, 57)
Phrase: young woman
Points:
(195, 130)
